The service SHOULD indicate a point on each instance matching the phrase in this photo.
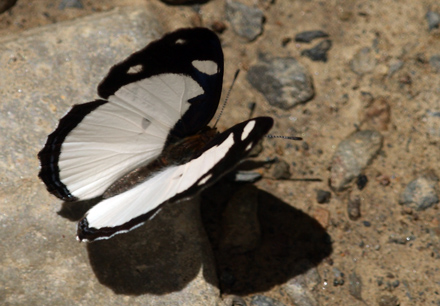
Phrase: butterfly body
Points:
(146, 143)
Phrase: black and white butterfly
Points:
(146, 142)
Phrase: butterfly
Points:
(146, 142)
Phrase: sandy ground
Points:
(394, 250)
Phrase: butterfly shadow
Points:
(258, 250)
(165, 254)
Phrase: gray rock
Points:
(281, 170)
(319, 52)
(246, 21)
(363, 61)
(261, 300)
(166, 262)
(70, 4)
(352, 156)
(240, 225)
(433, 19)
(434, 61)
(300, 288)
(308, 36)
(283, 81)
(421, 193)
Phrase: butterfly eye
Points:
(135, 69)
(207, 67)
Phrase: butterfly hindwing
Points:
(165, 92)
(130, 209)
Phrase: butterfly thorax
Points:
(176, 153)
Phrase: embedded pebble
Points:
(318, 52)
(363, 61)
(355, 286)
(281, 170)
(361, 181)
(339, 277)
(308, 36)
(70, 4)
(352, 156)
(421, 193)
(284, 82)
(434, 61)
(246, 21)
(354, 207)
(299, 288)
(261, 300)
(433, 123)
(388, 300)
(323, 196)
(433, 19)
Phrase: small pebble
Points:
(387, 300)
(434, 62)
(319, 52)
(354, 208)
(421, 193)
(363, 62)
(261, 300)
(433, 19)
(308, 36)
(362, 181)
(323, 196)
(352, 155)
(366, 223)
(284, 82)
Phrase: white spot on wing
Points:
(135, 69)
(208, 67)
(180, 41)
(204, 180)
(249, 146)
(247, 129)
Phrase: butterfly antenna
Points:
(285, 137)
(227, 96)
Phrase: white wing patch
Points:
(163, 186)
(208, 67)
(247, 129)
(120, 135)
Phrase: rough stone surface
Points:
(246, 21)
(352, 155)
(284, 82)
(166, 262)
(363, 61)
(421, 193)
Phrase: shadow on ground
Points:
(166, 253)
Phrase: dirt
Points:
(395, 251)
